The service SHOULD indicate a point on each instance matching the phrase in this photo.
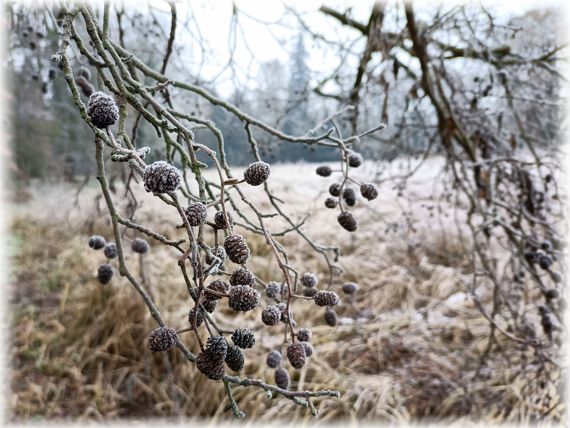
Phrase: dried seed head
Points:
(105, 273)
(110, 250)
(161, 177)
(102, 109)
(97, 242)
(552, 294)
(349, 196)
(324, 171)
(326, 298)
(256, 173)
(243, 298)
(347, 221)
(282, 378)
(162, 339)
(192, 315)
(309, 292)
(243, 338)
(209, 305)
(354, 159)
(331, 202)
(234, 358)
(546, 245)
(349, 288)
(196, 214)
(242, 276)
(210, 365)
(273, 289)
(271, 315)
(330, 317)
(309, 279)
(304, 334)
(220, 221)
(237, 249)
(334, 189)
(140, 246)
(308, 348)
(369, 191)
(217, 285)
(296, 355)
(273, 359)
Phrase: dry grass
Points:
(406, 349)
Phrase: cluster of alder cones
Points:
(343, 194)
(238, 288)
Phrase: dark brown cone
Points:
(162, 339)
(282, 378)
(296, 355)
(243, 298)
(347, 221)
(236, 249)
(326, 298)
(242, 276)
(256, 173)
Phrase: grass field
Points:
(407, 347)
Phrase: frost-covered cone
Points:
(256, 173)
(296, 355)
(273, 289)
(369, 191)
(354, 159)
(161, 177)
(162, 339)
(324, 171)
(271, 315)
(544, 261)
(210, 365)
(349, 288)
(326, 298)
(282, 378)
(140, 246)
(243, 338)
(102, 109)
(105, 273)
(97, 242)
(217, 285)
(334, 189)
(192, 315)
(330, 317)
(331, 202)
(196, 213)
(308, 348)
(309, 280)
(220, 221)
(273, 359)
(309, 292)
(349, 196)
(234, 358)
(242, 276)
(209, 305)
(110, 250)
(236, 249)
(347, 221)
(304, 334)
(243, 298)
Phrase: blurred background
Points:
(413, 344)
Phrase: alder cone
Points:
(140, 246)
(97, 242)
(308, 348)
(349, 288)
(234, 358)
(162, 339)
(309, 292)
(324, 171)
(243, 298)
(217, 346)
(271, 315)
(110, 250)
(296, 355)
(273, 289)
(196, 214)
(309, 280)
(326, 298)
(102, 110)
(273, 359)
(220, 221)
(331, 203)
(192, 315)
(369, 191)
(347, 221)
(210, 365)
(354, 159)
(282, 378)
(217, 285)
(330, 317)
(349, 196)
(334, 189)
(256, 173)
(236, 249)
(242, 276)
(304, 335)
(105, 273)
(161, 177)
(243, 338)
